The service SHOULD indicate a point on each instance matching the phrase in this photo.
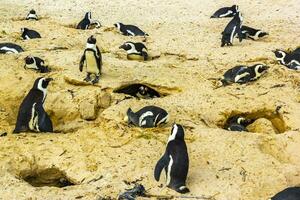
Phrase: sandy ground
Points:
(103, 157)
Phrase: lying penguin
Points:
(130, 30)
(238, 123)
(232, 29)
(226, 12)
(135, 51)
(36, 63)
(92, 59)
(32, 15)
(31, 115)
(252, 33)
(28, 34)
(147, 117)
(140, 91)
(290, 60)
(243, 74)
(175, 161)
(7, 48)
(87, 22)
(291, 193)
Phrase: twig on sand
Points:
(167, 197)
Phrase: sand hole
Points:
(51, 177)
(145, 90)
(274, 117)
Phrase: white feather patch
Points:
(174, 132)
(9, 50)
(227, 13)
(141, 119)
(169, 170)
(40, 87)
(238, 77)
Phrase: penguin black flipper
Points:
(161, 163)
(81, 63)
(99, 59)
(239, 33)
(44, 121)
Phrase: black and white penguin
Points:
(32, 116)
(129, 30)
(232, 28)
(32, 15)
(28, 34)
(243, 74)
(147, 117)
(290, 60)
(35, 63)
(226, 12)
(92, 60)
(139, 90)
(135, 51)
(291, 193)
(7, 48)
(252, 33)
(175, 161)
(238, 123)
(87, 22)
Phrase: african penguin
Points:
(226, 12)
(175, 161)
(31, 115)
(291, 193)
(92, 60)
(135, 51)
(147, 117)
(129, 30)
(140, 91)
(7, 48)
(87, 21)
(32, 15)
(29, 34)
(290, 60)
(35, 63)
(232, 28)
(251, 33)
(243, 74)
(238, 123)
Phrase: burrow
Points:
(272, 117)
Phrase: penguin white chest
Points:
(91, 63)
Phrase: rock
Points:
(104, 100)
(262, 125)
(88, 109)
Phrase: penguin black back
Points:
(252, 33)
(226, 12)
(291, 193)
(85, 22)
(7, 47)
(232, 28)
(29, 34)
(130, 30)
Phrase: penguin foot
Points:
(182, 189)
(87, 78)
(96, 80)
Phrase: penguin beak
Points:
(48, 79)
(122, 46)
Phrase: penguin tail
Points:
(183, 189)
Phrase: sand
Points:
(104, 156)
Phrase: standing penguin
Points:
(29, 34)
(175, 161)
(226, 12)
(252, 33)
(32, 15)
(147, 117)
(135, 51)
(35, 63)
(291, 193)
(290, 60)
(32, 116)
(243, 74)
(232, 28)
(129, 30)
(87, 21)
(7, 48)
(92, 59)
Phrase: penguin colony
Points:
(32, 116)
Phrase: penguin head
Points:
(41, 83)
(91, 40)
(118, 25)
(143, 90)
(177, 133)
(260, 69)
(130, 115)
(29, 60)
(235, 8)
(128, 46)
(32, 12)
(24, 30)
(88, 15)
(279, 54)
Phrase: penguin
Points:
(291, 193)
(29, 34)
(7, 48)
(175, 161)
(35, 63)
(140, 91)
(252, 33)
(238, 123)
(32, 15)
(92, 59)
(232, 28)
(87, 21)
(226, 12)
(290, 60)
(130, 30)
(31, 115)
(243, 74)
(135, 51)
(147, 117)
